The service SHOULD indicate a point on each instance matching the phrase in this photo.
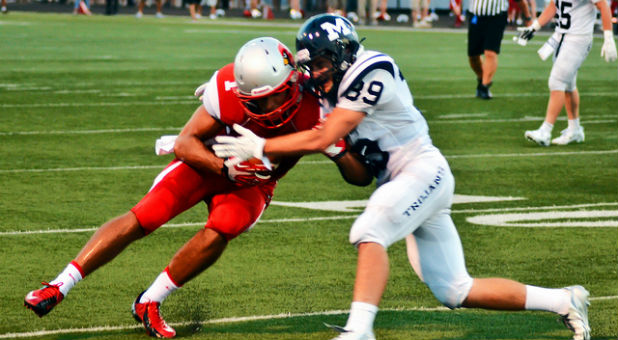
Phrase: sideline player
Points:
(570, 45)
(267, 98)
(371, 104)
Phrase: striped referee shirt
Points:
(488, 7)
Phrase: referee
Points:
(485, 31)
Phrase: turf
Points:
(83, 99)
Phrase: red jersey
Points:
(233, 208)
(221, 103)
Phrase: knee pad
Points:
(451, 294)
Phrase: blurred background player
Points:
(457, 10)
(420, 14)
(268, 100)
(486, 26)
(142, 3)
(569, 45)
(3, 7)
(370, 104)
(82, 7)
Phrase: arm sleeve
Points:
(211, 98)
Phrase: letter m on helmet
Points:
(336, 29)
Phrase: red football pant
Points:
(233, 208)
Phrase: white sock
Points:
(361, 317)
(546, 127)
(162, 286)
(573, 124)
(555, 300)
(71, 275)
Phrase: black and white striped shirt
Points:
(488, 7)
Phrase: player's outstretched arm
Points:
(248, 145)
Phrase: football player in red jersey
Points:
(261, 91)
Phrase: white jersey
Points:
(575, 16)
(374, 85)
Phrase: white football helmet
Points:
(264, 66)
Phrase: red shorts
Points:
(232, 208)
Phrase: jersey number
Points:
(371, 96)
(563, 18)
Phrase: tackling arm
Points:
(190, 148)
(339, 123)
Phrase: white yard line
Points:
(88, 132)
(227, 320)
(175, 225)
(140, 167)
(196, 102)
(310, 219)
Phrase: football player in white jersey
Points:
(569, 45)
(371, 107)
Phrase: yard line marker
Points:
(231, 320)
(87, 132)
(141, 167)
(195, 101)
(176, 225)
(310, 219)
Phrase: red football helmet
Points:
(263, 67)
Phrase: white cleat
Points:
(139, 15)
(577, 318)
(568, 136)
(350, 335)
(538, 136)
(159, 15)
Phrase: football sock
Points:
(555, 300)
(573, 124)
(162, 286)
(361, 317)
(547, 127)
(71, 275)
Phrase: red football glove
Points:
(337, 150)
(248, 172)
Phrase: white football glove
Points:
(165, 145)
(608, 51)
(527, 33)
(241, 148)
(199, 91)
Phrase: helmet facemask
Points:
(282, 114)
(265, 67)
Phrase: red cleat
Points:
(41, 301)
(148, 315)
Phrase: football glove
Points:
(248, 172)
(337, 150)
(527, 33)
(199, 91)
(373, 158)
(608, 51)
(165, 145)
(241, 148)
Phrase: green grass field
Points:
(82, 101)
